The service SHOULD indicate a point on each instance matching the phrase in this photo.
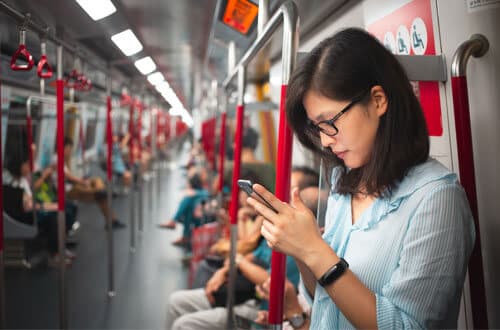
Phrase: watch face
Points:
(297, 320)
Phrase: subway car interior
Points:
(133, 134)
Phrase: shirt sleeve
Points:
(425, 289)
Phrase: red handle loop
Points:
(87, 85)
(43, 64)
(22, 51)
(71, 81)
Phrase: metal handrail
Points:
(288, 15)
(476, 46)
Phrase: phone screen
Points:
(246, 185)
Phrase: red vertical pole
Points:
(29, 134)
(233, 212)
(468, 181)
(61, 221)
(283, 171)
(222, 150)
(139, 128)
(109, 138)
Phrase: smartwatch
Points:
(297, 320)
(333, 273)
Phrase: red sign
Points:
(409, 31)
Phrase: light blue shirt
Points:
(411, 249)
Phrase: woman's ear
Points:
(380, 98)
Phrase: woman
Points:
(398, 219)
(18, 203)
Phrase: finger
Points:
(266, 231)
(270, 197)
(262, 209)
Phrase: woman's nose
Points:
(326, 140)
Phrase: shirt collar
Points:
(416, 178)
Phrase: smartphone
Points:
(246, 185)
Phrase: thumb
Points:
(296, 201)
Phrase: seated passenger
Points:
(305, 178)
(194, 194)
(204, 308)
(86, 190)
(117, 162)
(18, 203)
(45, 191)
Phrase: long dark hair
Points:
(341, 68)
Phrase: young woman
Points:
(399, 231)
(18, 203)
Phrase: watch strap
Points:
(332, 274)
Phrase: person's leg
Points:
(103, 205)
(81, 193)
(186, 301)
(127, 178)
(212, 319)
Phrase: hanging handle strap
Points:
(44, 70)
(71, 80)
(23, 53)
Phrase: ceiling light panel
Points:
(156, 78)
(145, 65)
(97, 9)
(127, 42)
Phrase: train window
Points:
(90, 133)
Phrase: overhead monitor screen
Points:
(240, 14)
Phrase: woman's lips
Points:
(340, 154)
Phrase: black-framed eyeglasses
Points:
(328, 126)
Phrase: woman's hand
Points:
(245, 213)
(214, 284)
(293, 230)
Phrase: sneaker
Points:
(76, 225)
(117, 224)
(167, 225)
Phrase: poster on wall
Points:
(409, 30)
(5, 111)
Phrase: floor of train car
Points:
(143, 280)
